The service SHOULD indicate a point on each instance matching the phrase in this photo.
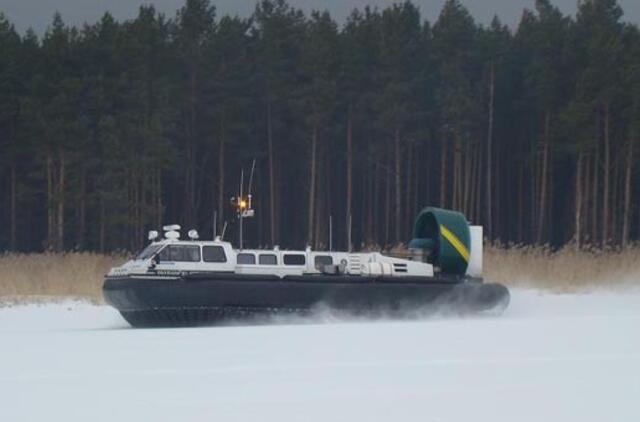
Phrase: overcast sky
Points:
(37, 13)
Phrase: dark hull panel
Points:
(204, 299)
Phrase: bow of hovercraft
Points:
(177, 282)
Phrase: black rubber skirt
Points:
(209, 299)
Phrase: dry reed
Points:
(37, 277)
(46, 276)
(564, 270)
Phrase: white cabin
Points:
(172, 257)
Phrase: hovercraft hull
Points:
(207, 299)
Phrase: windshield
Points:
(148, 251)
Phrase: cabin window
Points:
(268, 259)
(246, 259)
(213, 254)
(291, 259)
(321, 260)
(180, 253)
(148, 251)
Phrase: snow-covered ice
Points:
(549, 358)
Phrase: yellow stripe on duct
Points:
(455, 242)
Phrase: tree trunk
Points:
(472, 184)
(387, 201)
(376, 176)
(102, 224)
(349, 170)
(586, 198)
(220, 215)
(466, 186)
(319, 212)
(142, 206)
(398, 196)
(61, 203)
(158, 197)
(272, 184)
(521, 207)
(82, 209)
(416, 188)
(533, 194)
(543, 178)
(478, 182)
(50, 209)
(129, 217)
(368, 232)
(455, 197)
(186, 206)
(627, 193)
(13, 208)
(615, 195)
(134, 211)
(605, 181)
(594, 195)
(578, 202)
(496, 209)
(443, 174)
(409, 178)
(327, 193)
(312, 185)
(191, 146)
(159, 206)
(488, 227)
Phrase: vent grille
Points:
(399, 268)
(353, 265)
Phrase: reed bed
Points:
(566, 270)
(47, 277)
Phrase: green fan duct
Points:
(444, 237)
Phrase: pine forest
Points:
(115, 128)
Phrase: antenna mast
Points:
(243, 206)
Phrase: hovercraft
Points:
(175, 282)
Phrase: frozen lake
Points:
(550, 357)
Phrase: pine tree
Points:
(10, 93)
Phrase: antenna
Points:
(224, 229)
(242, 205)
(249, 206)
(253, 167)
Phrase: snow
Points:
(549, 357)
